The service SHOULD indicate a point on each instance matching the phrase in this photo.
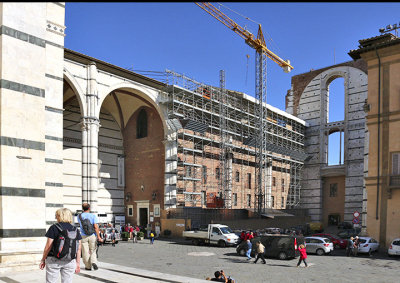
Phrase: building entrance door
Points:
(333, 219)
(143, 217)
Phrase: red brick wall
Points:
(144, 162)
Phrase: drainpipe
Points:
(379, 133)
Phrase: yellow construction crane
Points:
(260, 137)
(257, 43)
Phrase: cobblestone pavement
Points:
(180, 257)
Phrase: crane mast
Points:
(262, 162)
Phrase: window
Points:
(156, 210)
(141, 125)
(249, 180)
(283, 202)
(237, 176)
(273, 181)
(333, 190)
(205, 174)
(283, 185)
(395, 163)
(335, 148)
(204, 197)
(272, 201)
(249, 200)
(217, 173)
(130, 210)
(235, 199)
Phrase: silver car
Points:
(108, 235)
(318, 245)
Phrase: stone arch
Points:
(77, 90)
(150, 96)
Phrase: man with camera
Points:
(221, 277)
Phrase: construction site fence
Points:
(199, 216)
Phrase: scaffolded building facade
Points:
(212, 164)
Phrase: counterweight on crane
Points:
(260, 138)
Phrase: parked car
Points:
(346, 234)
(276, 246)
(368, 245)
(108, 236)
(345, 225)
(272, 230)
(318, 245)
(338, 243)
(394, 248)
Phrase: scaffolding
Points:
(216, 160)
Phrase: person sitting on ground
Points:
(221, 277)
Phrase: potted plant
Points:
(125, 236)
(140, 235)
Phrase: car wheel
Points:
(196, 242)
(370, 252)
(320, 252)
(282, 256)
(242, 252)
(222, 244)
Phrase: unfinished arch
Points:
(309, 98)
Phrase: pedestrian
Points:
(51, 259)
(249, 247)
(250, 236)
(90, 231)
(303, 255)
(130, 230)
(112, 237)
(135, 232)
(260, 249)
(356, 245)
(151, 237)
(242, 236)
(350, 245)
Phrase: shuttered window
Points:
(396, 163)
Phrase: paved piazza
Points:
(180, 257)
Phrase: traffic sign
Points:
(356, 220)
(356, 214)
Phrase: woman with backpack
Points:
(151, 237)
(62, 252)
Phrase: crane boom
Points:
(257, 43)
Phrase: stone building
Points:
(382, 55)
(76, 129)
(332, 193)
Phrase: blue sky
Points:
(155, 36)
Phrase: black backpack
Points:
(88, 227)
(65, 245)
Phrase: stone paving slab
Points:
(107, 272)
